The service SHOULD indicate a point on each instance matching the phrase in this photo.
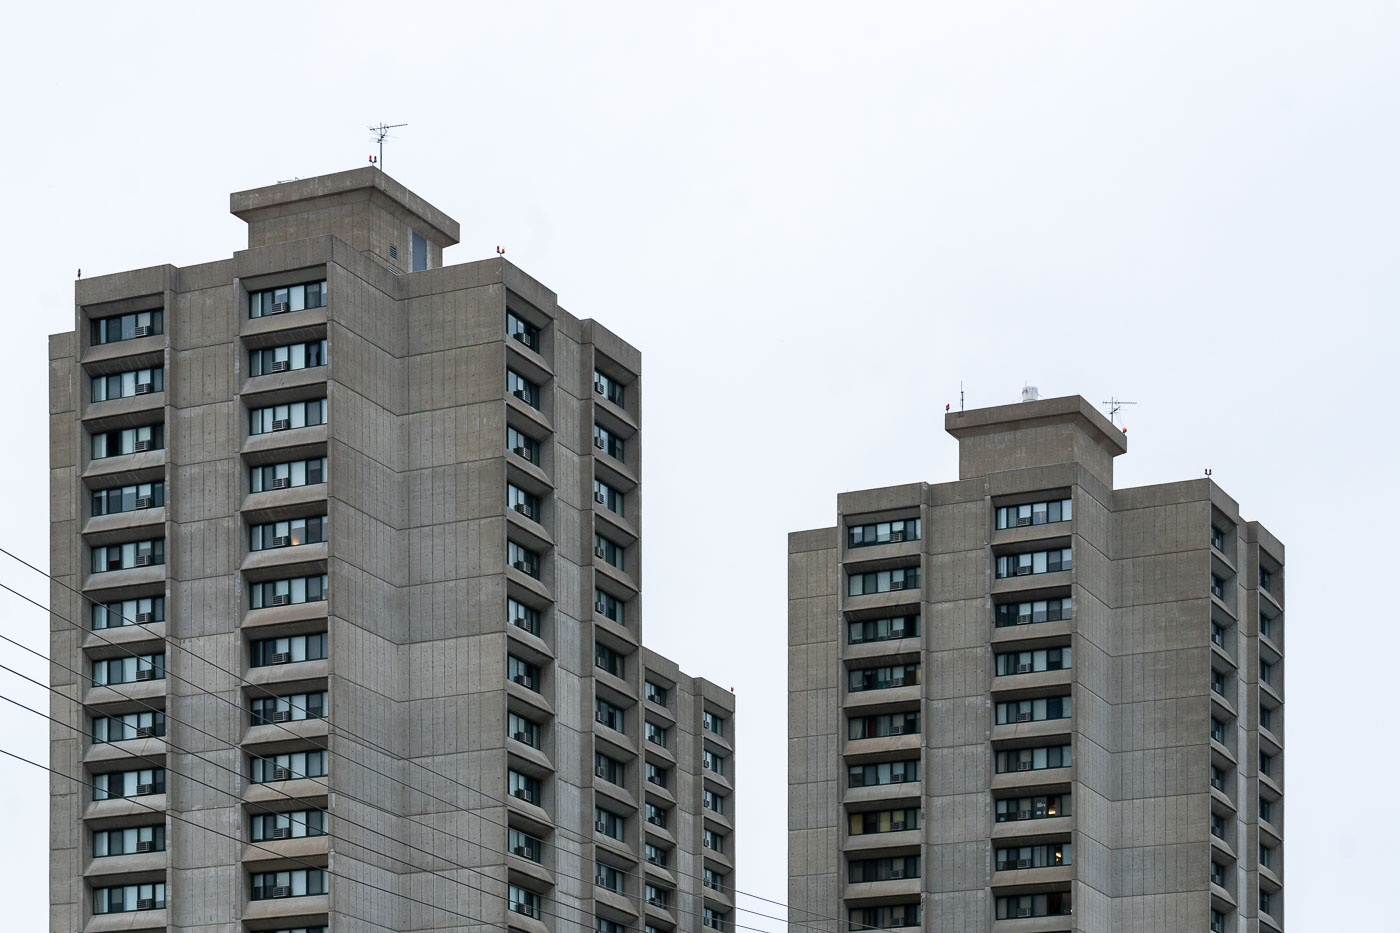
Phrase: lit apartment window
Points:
(1217, 586)
(606, 876)
(608, 442)
(609, 715)
(1217, 730)
(887, 772)
(655, 815)
(125, 441)
(292, 298)
(525, 845)
(608, 823)
(300, 882)
(523, 787)
(909, 529)
(1217, 874)
(524, 901)
(1035, 513)
(608, 550)
(882, 581)
(716, 919)
(609, 769)
(128, 498)
(1266, 579)
(1042, 807)
(523, 616)
(1034, 710)
(656, 735)
(523, 559)
(525, 731)
(128, 897)
(607, 387)
(1034, 759)
(523, 389)
(1027, 662)
(714, 880)
(139, 783)
(130, 841)
(289, 766)
(144, 725)
(657, 775)
(127, 326)
(128, 670)
(1217, 825)
(293, 533)
(1040, 610)
(523, 673)
(1045, 856)
(655, 854)
(1020, 565)
(656, 693)
(712, 723)
(522, 445)
(293, 648)
(295, 824)
(285, 359)
(287, 475)
(1217, 921)
(286, 417)
(522, 330)
(293, 707)
(288, 592)
(713, 801)
(604, 925)
(608, 605)
(713, 762)
(126, 556)
(884, 821)
(1217, 538)
(882, 869)
(888, 629)
(606, 496)
(886, 724)
(523, 502)
(1054, 904)
(658, 897)
(713, 841)
(131, 383)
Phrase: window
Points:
(606, 496)
(127, 326)
(655, 815)
(288, 592)
(523, 616)
(128, 498)
(292, 533)
(1217, 921)
(523, 673)
(886, 629)
(522, 330)
(1217, 538)
(1217, 874)
(293, 298)
(609, 769)
(1040, 610)
(606, 876)
(292, 825)
(713, 801)
(523, 901)
(287, 475)
(523, 502)
(1054, 904)
(1217, 681)
(523, 389)
(713, 762)
(712, 723)
(603, 925)
(126, 556)
(1266, 764)
(289, 650)
(715, 919)
(859, 871)
(1217, 825)
(131, 726)
(609, 715)
(286, 417)
(1264, 902)
(655, 854)
(657, 735)
(1043, 807)
(284, 359)
(614, 662)
(1266, 810)
(1217, 778)
(290, 708)
(607, 822)
(1217, 634)
(1217, 730)
(608, 550)
(523, 787)
(1266, 856)
(882, 581)
(884, 821)
(712, 840)
(1266, 579)
(525, 731)
(1044, 856)
(657, 775)
(1266, 626)
(1020, 565)
(658, 897)
(1266, 672)
(656, 693)
(1034, 759)
(419, 246)
(607, 387)
(1026, 662)
(300, 882)
(1217, 586)
(289, 766)
(128, 670)
(610, 606)
(523, 559)
(122, 898)
(608, 442)
(128, 384)
(882, 678)
(139, 783)
(110, 842)
(522, 445)
(888, 772)
(128, 441)
(525, 845)
(884, 532)
(887, 724)
(714, 880)
(1035, 513)
(1266, 718)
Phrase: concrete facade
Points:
(439, 576)
(1073, 725)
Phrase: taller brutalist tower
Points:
(1027, 701)
(347, 560)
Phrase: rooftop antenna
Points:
(962, 397)
(1114, 405)
(380, 133)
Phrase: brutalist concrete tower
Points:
(1028, 702)
(347, 611)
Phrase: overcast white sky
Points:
(814, 220)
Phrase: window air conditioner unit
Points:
(142, 446)
(656, 902)
(146, 673)
(279, 366)
(597, 442)
(1023, 668)
(281, 482)
(601, 718)
(1024, 619)
(896, 778)
(144, 618)
(896, 826)
(281, 774)
(897, 729)
(521, 336)
(601, 606)
(1023, 912)
(524, 509)
(525, 738)
(145, 903)
(144, 845)
(282, 715)
(280, 307)
(144, 388)
(599, 551)
(1023, 814)
(896, 537)
(896, 681)
(145, 560)
(142, 331)
(144, 789)
(1022, 520)
(655, 779)
(145, 732)
(599, 497)
(282, 891)
(281, 424)
(897, 632)
(282, 657)
(1022, 570)
(145, 502)
(1023, 717)
(522, 394)
(525, 794)
(521, 679)
(522, 566)
(282, 541)
(1023, 863)
(600, 825)
(600, 771)
(281, 599)
(282, 832)
(522, 851)
(1023, 765)
(896, 584)
(708, 845)
(520, 452)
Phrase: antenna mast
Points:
(1114, 405)
(380, 132)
